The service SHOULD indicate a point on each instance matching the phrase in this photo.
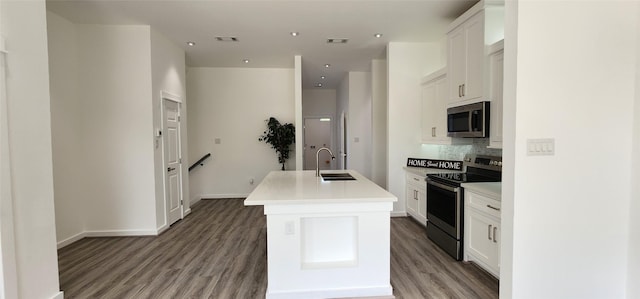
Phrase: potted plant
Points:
(280, 137)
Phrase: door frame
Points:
(166, 96)
(304, 133)
(343, 140)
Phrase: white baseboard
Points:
(70, 240)
(359, 292)
(194, 201)
(121, 233)
(398, 214)
(221, 196)
(59, 295)
(162, 229)
(110, 233)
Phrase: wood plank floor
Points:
(219, 251)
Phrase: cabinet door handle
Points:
(489, 232)
(492, 207)
(459, 91)
(433, 131)
(463, 91)
(417, 180)
(494, 234)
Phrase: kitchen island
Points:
(325, 239)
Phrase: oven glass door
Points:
(443, 207)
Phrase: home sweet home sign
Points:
(439, 164)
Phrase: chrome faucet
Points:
(317, 157)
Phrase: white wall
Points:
(168, 75)
(633, 265)
(28, 141)
(379, 122)
(407, 63)
(105, 94)
(359, 123)
(319, 102)
(232, 104)
(354, 101)
(66, 127)
(571, 210)
(117, 129)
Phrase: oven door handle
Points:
(443, 186)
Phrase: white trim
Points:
(59, 295)
(111, 233)
(71, 240)
(187, 212)
(165, 95)
(121, 233)
(398, 214)
(223, 196)
(162, 229)
(194, 201)
(362, 292)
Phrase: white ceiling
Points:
(263, 28)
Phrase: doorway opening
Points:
(317, 134)
(172, 158)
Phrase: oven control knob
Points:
(492, 162)
(499, 163)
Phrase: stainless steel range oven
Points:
(445, 200)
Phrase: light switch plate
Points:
(541, 147)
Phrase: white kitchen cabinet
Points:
(434, 110)
(467, 61)
(496, 71)
(416, 197)
(482, 231)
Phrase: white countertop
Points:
(303, 187)
(493, 189)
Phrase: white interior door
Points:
(172, 160)
(317, 134)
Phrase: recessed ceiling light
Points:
(245, 60)
(327, 65)
(191, 44)
(294, 33)
(318, 84)
(323, 77)
(378, 35)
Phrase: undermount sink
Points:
(342, 176)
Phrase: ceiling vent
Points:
(337, 40)
(227, 39)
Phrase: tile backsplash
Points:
(457, 152)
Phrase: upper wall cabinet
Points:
(434, 110)
(467, 59)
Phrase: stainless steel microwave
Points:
(471, 121)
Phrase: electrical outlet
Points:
(289, 228)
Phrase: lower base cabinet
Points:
(416, 197)
(482, 231)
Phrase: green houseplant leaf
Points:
(280, 137)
